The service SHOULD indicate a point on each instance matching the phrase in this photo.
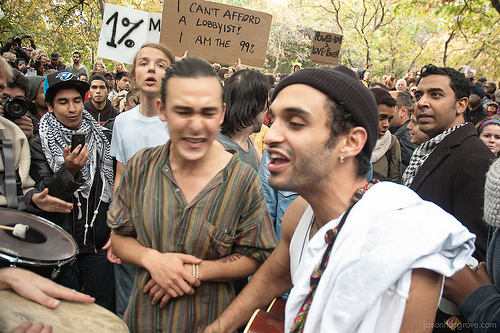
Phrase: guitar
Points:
(270, 321)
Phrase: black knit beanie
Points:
(341, 85)
(381, 95)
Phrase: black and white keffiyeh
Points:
(55, 137)
(421, 154)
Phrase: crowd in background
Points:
(113, 93)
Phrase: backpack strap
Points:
(10, 183)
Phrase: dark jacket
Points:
(475, 116)
(19, 52)
(453, 177)
(483, 304)
(407, 148)
(60, 67)
(109, 112)
(62, 185)
(477, 89)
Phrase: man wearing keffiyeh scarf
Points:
(81, 176)
(450, 168)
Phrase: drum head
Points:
(68, 317)
(45, 242)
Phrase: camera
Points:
(14, 108)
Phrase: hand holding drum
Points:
(37, 288)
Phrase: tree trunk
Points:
(496, 4)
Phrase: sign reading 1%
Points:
(125, 23)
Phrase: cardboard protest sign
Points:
(326, 48)
(215, 32)
(124, 30)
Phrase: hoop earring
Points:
(342, 159)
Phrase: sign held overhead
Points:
(326, 48)
(124, 30)
(215, 32)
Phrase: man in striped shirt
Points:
(189, 214)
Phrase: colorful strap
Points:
(331, 235)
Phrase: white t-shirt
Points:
(132, 132)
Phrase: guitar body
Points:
(272, 321)
(277, 307)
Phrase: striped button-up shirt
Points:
(228, 216)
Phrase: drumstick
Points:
(19, 230)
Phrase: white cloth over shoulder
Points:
(364, 288)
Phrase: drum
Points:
(45, 250)
(67, 317)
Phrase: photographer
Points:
(42, 62)
(14, 45)
(14, 106)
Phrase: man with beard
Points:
(77, 67)
(354, 266)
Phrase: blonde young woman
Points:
(119, 67)
(99, 67)
(42, 62)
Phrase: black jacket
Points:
(453, 177)
(407, 148)
(62, 185)
(109, 112)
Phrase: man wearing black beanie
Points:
(352, 250)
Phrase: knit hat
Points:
(381, 95)
(66, 80)
(341, 85)
(35, 82)
(492, 195)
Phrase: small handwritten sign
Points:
(124, 30)
(326, 48)
(215, 32)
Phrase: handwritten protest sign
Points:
(124, 30)
(326, 48)
(215, 32)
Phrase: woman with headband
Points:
(488, 131)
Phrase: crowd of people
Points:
(356, 200)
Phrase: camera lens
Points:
(15, 108)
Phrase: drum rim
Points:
(13, 259)
(37, 263)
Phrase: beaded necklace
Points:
(331, 235)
